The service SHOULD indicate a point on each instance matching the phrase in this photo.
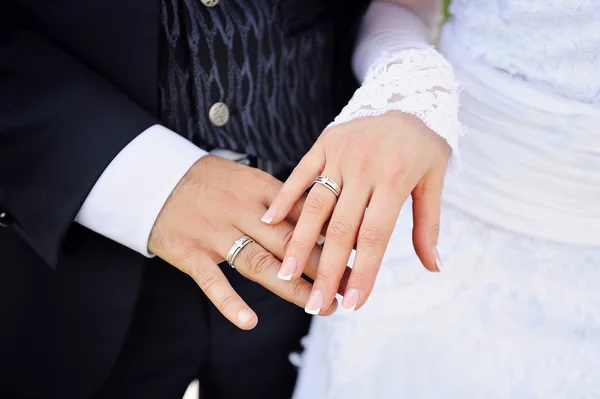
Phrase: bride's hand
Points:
(377, 162)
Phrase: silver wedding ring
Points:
(330, 184)
(236, 248)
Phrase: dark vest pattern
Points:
(269, 61)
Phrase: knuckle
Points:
(396, 172)
(299, 289)
(361, 278)
(285, 234)
(314, 204)
(259, 262)
(189, 255)
(340, 229)
(371, 236)
(226, 302)
(206, 281)
(299, 246)
(324, 277)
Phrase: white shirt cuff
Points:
(127, 198)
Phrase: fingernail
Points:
(287, 270)
(315, 303)
(269, 214)
(321, 240)
(244, 316)
(350, 300)
(438, 263)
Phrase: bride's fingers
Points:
(276, 239)
(373, 237)
(426, 219)
(316, 211)
(340, 238)
(294, 187)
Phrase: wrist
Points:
(419, 82)
(124, 203)
(170, 225)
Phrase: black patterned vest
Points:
(267, 64)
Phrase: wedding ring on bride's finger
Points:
(237, 247)
(330, 184)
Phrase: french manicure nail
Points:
(438, 263)
(315, 303)
(350, 300)
(287, 270)
(269, 214)
(244, 316)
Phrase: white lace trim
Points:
(420, 82)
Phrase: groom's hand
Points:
(217, 202)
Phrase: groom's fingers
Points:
(214, 284)
(259, 265)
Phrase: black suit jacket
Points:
(78, 81)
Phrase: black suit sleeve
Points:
(61, 124)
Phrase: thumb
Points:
(426, 219)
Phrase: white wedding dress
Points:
(515, 312)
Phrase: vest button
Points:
(218, 114)
(210, 3)
(5, 220)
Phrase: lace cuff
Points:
(418, 81)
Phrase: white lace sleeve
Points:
(401, 71)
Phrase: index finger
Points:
(294, 187)
(211, 280)
(272, 190)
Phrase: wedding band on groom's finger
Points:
(236, 248)
(330, 184)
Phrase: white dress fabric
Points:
(515, 312)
